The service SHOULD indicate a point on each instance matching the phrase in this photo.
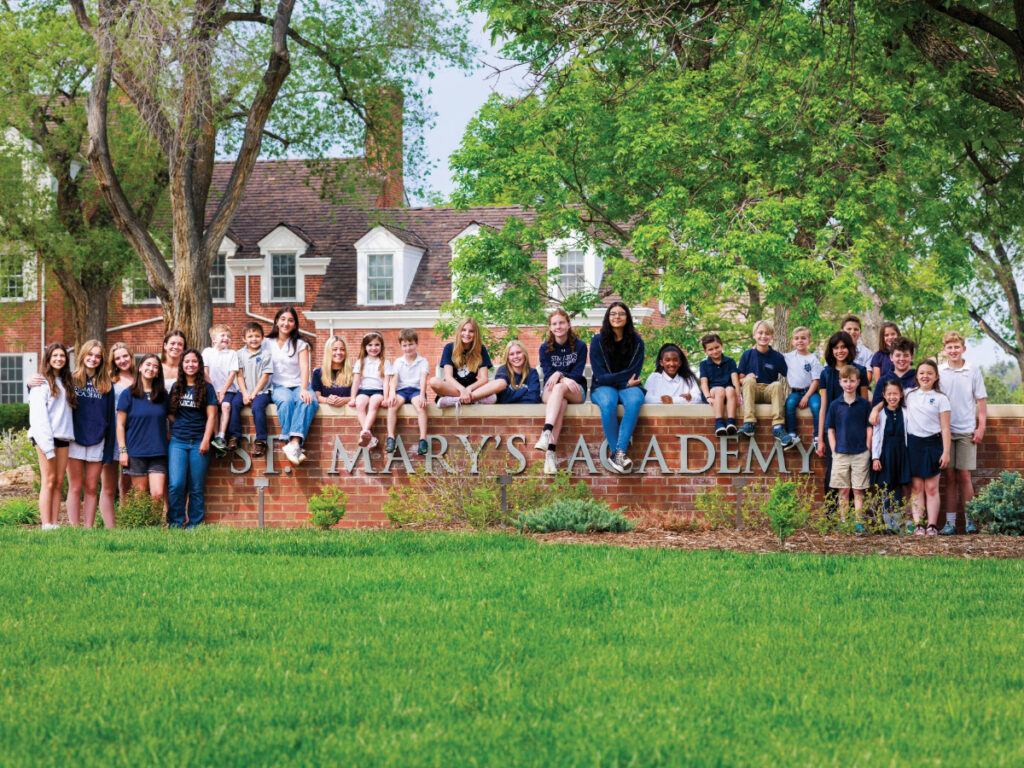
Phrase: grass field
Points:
(248, 648)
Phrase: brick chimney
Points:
(384, 144)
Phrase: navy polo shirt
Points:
(766, 367)
(718, 374)
(850, 421)
(908, 380)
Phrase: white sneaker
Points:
(374, 442)
(550, 463)
(488, 400)
(293, 453)
(545, 440)
(47, 527)
(448, 402)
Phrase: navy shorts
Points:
(370, 392)
(408, 393)
(924, 454)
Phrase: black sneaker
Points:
(720, 428)
(730, 427)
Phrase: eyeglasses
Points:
(616, 314)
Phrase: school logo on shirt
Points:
(188, 398)
(564, 361)
(463, 372)
(931, 401)
(807, 367)
(89, 391)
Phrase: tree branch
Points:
(978, 20)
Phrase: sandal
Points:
(259, 448)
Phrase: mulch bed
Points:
(762, 542)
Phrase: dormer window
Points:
(286, 266)
(282, 276)
(579, 266)
(571, 266)
(386, 262)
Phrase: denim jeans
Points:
(295, 416)
(187, 479)
(607, 399)
(235, 419)
(259, 415)
(813, 402)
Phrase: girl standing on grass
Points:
(928, 440)
(121, 370)
(142, 429)
(332, 383)
(192, 413)
(368, 386)
(465, 364)
(296, 404)
(170, 360)
(881, 364)
(672, 380)
(51, 429)
(616, 357)
(93, 445)
(563, 358)
(890, 468)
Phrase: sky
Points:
(455, 96)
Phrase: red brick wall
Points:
(231, 498)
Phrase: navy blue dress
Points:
(895, 472)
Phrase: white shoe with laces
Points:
(550, 463)
(293, 453)
(544, 441)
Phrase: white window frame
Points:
(593, 264)
(29, 281)
(284, 240)
(405, 261)
(279, 256)
(128, 292)
(390, 256)
(29, 366)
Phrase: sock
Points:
(548, 427)
(951, 518)
(220, 434)
(551, 447)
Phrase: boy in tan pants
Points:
(763, 380)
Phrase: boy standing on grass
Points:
(901, 353)
(803, 371)
(965, 388)
(719, 384)
(862, 355)
(763, 380)
(849, 435)
(256, 366)
(405, 380)
(221, 364)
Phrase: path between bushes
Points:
(753, 541)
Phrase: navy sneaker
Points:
(971, 528)
(748, 428)
(720, 428)
(783, 437)
(730, 427)
(421, 449)
(389, 445)
(948, 530)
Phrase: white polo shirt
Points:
(409, 374)
(863, 356)
(802, 370)
(923, 409)
(964, 386)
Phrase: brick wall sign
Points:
(676, 457)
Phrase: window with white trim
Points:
(282, 277)
(572, 278)
(136, 285)
(12, 276)
(219, 278)
(380, 278)
(12, 379)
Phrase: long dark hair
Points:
(684, 366)
(293, 337)
(835, 338)
(628, 332)
(199, 388)
(64, 374)
(159, 392)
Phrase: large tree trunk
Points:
(780, 320)
(89, 306)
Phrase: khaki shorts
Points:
(851, 470)
(963, 454)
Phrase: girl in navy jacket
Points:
(616, 358)
(93, 445)
(563, 358)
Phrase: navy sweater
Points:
(603, 377)
(569, 362)
(94, 418)
(528, 394)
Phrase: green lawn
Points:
(247, 648)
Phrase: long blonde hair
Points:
(513, 381)
(473, 357)
(328, 375)
(112, 370)
(101, 378)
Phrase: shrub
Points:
(137, 509)
(13, 416)
(999, 506)
(16, 450)
(19, 512)
(787, 508)
(327, 507)
(715, 507)
(578, 515)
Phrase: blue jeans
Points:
(295, 416)
(813, 402)
(259, 415)
(235, 419)
(607, 399)
(187, 479)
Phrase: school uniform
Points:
(801, 372)
(889, 447)
(371, 372)
(851, 462)
(324, 390)
(221, 363)
(863, 356)
(718, 374)
(831, 390)
(94, 420)
(566, 360)
(764, 381)
(964, 386)
(907, 380)
(882, 362)
(924, 431)
(252, 366)
(526, 392)
(409, 375)
(50, 420)
(682, 391)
